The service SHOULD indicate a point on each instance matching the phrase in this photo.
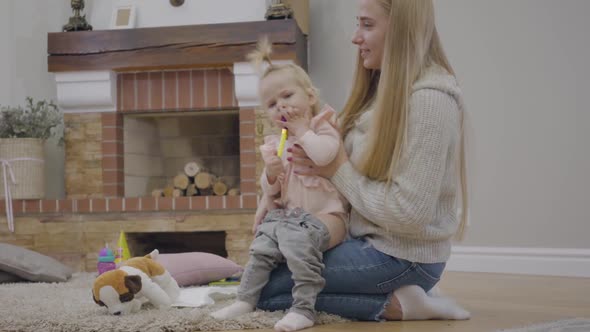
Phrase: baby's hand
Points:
(274, 167)
(297, 121)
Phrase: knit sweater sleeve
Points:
(410, 199)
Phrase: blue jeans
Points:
(359, 281)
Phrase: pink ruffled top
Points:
(312, 193)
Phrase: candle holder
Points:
(278, 11)
(77, 22)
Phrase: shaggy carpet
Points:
(567, 325)
(69, 306)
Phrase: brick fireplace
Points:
(162, 120)
(139, 104)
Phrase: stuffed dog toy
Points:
(136, 281)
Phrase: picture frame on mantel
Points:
(123, 17)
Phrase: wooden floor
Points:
(495, 302)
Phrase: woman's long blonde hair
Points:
(411, 45)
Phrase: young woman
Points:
(401, 167)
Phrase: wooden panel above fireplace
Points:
(172, 47)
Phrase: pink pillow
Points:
(197, 268)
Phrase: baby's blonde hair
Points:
(262, 54)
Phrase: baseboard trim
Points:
(531, 261)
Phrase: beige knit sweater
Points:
(414, 217)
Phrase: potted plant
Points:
(23, 132)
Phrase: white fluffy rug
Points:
(568, 325)
(69, 306)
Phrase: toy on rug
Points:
(123, 249)
(106, 260)
(136, 281)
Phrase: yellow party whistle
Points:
(283, 140)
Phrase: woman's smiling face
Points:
(372, 23)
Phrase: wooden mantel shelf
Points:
(160, 48)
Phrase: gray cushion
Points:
(6, 277)
(31, 265)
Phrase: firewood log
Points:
(233, 192)
(157, 193)
(168, 191)
(219, 188)
(181, 181)
(193, 168)
(203, 180)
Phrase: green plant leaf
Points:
(41, 119)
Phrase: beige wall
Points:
(23, 65)
(524, 69)
(152, 13)
(332, 55)
(6, 57)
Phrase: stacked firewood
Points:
(196, 180)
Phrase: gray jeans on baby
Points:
(298, 238)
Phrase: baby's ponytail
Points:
(261, 54)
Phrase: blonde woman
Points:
(401, 167)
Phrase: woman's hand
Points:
(299, 158)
